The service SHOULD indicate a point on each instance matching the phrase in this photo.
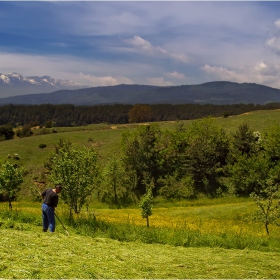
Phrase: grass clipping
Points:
(32, 254)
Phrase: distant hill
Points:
(218, 93)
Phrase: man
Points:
(50, 202)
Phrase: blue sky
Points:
(99, 43)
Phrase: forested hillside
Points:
(71, 115)
(219, 93)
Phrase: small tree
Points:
(76, 169)
(268, 201)
(112, 175)
(146, 203)
(118, 185)
(10, 179)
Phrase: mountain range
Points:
(13, 84)
(219, 93)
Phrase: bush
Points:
(25, 131)
(16, 156)
(42, 146)
(175, 188)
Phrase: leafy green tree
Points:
(271, 142)
(172, 147)
(141, 155)
(10, 179)
(248, 171)
(140, 113)
(247, 174)
(206, 153)
(76, 169)
(245, 141)
(117, 184)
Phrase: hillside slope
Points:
(211, 93)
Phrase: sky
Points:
(162, 43)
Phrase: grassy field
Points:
(204, 238)
(33, 255)
(119, 246)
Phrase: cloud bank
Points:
(163, 43)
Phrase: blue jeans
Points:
(48, 217)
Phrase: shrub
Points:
(16, 156)
(25, 131)
(42, 146)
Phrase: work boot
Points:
(45, 230)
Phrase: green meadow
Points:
(202, 238)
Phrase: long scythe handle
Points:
(62, 224)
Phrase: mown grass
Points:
(115, 243)
(30, 255)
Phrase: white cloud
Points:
(159, 82)
(175, 75)
(222, 73)
(104, 81)
(139, 42)
(273, 43)
(147, 48)
(267, 69)
(264, 73)
(277, 23)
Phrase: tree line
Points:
(71, 115)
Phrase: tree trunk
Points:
(10, 205)
(115, 194)
(148, 225)
(266, 228)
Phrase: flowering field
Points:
(192, 219)
(233, 218)
(224, 223)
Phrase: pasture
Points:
(202, 238)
